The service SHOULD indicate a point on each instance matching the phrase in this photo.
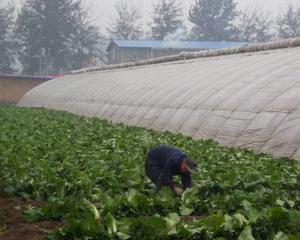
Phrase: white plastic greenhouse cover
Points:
(250, 99)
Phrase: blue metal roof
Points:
(175, 44)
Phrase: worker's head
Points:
(188, 165)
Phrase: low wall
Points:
(13, 88)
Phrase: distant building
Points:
(122, 51)
(14, 87)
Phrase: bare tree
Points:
(87, 42)
(127, 25)
(288, 22)
(254, 26)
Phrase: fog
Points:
(58, 45)
(102, 11)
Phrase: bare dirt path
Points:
(14, 227)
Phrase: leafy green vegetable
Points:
(90, 173)
(246, 234)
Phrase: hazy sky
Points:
(102, 11)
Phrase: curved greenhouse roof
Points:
(241, 97)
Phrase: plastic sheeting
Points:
(247, 100)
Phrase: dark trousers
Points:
(153, 172)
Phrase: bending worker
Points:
(164, 162)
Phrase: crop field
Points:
(90, 174)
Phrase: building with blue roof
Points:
(122, 51)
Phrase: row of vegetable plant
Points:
(90, 173)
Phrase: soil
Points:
(14, 227)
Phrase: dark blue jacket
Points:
(163, 163)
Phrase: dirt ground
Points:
(14, 227)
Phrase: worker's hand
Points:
(178, 191)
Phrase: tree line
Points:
(55, 36)
(210, 20)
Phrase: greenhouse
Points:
(246, 96)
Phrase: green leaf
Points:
(111, 224)
(186, 231)
(93, 209)
(130, 195)
(172, 220)
(293, 223)
(294, 237)
(166, 198)
(165, 195)
(185, 211)
(124, 225)
(280, 202)
(240, 220)
(278, 216)
(108, 203)
(32, 214)
(246, 205)
(246, 234)
(189, 195)
(228, 225)
(214, 223)
(123, 236)
(136, 200)
(281, 236)
(153, 227)
(3, 229)
(290, 203)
